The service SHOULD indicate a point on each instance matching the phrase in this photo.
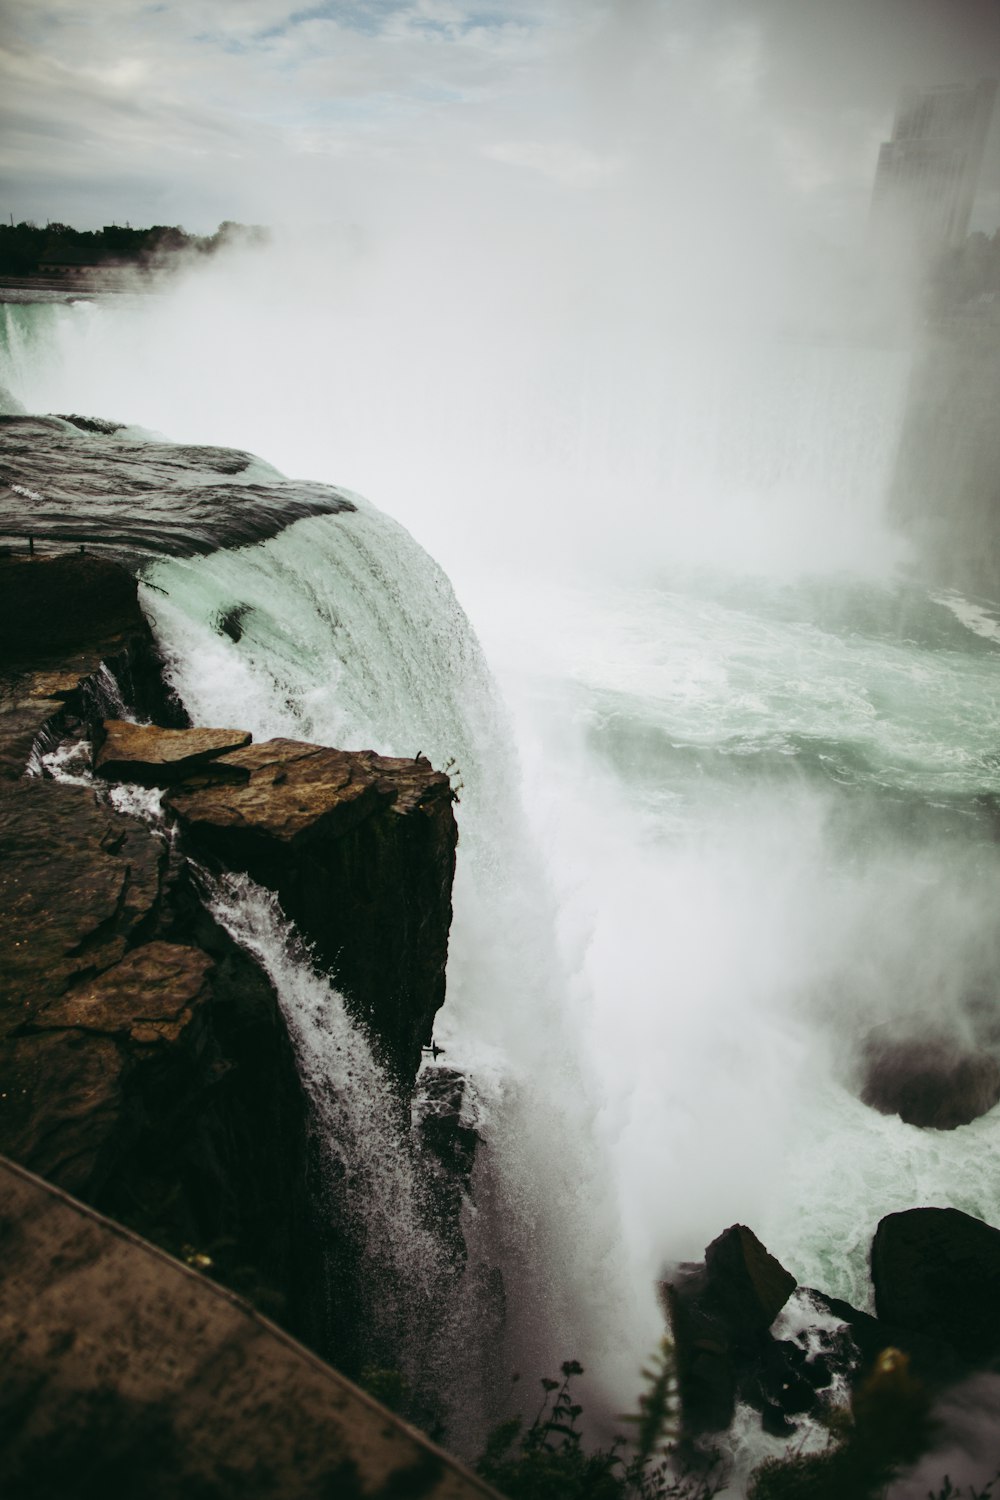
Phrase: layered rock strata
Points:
(90, 483)
(360, 850)
(73, 642)
(144, 1064)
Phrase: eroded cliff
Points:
(144, 1062)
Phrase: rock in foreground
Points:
(125, 1374)
(938, 1270)
(151, 756)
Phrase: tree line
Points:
(26, 247)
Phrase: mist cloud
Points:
(266, 111)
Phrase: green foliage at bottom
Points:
(886, 1427)
(547, 1461)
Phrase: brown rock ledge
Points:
(360, 849)
(152, 756)
(62, 619)
(123, 1373)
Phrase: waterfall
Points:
(727, 810)
(408, 1311)
(350, 635)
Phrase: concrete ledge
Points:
(125, 1373)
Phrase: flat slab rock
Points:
(294, 792)
(152, 756)
(358, 847)
(151, 996)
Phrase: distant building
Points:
(927, 173)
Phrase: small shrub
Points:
(547, 1460)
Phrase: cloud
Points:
(279, 108)
(561, 161)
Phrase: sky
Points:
(277, 112)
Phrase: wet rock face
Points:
(144, 1060)
(70, 629)
(938, 1270)
(360, 849)
(445, 1122)
(930, 1081)
(144, 1065)
(64, 483)
(78, 883)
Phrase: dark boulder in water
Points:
(229, 622)
(728, 1353)
(721, 1314)
(932, 1081)
(937, 1270)
(745, 1282)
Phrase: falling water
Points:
(728, 810)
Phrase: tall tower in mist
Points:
(927, 173)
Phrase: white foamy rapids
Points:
(743, 920)
(983, 619)
(70, 762)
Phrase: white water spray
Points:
(748, 830)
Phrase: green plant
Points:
(657, 1417)
(949, 1492)
(547, 1460)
